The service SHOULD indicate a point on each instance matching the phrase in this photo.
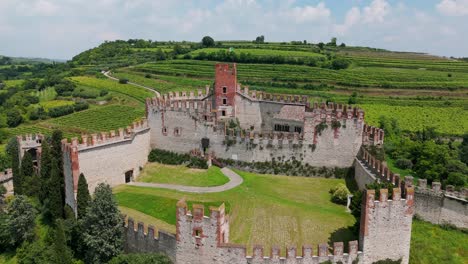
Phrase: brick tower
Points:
(225, 90)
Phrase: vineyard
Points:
(262, 52)
(98, 119)
(354, 77)
(414, 118)
(136, 93)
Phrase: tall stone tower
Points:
(225, 90)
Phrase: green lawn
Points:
(265, 209)
(433, 244)
(160, 173)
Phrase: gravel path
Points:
(234, 181)
(107, 74)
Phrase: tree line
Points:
(38, 226)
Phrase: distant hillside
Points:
(26, 60)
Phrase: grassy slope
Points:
(160, 173)
(432, 244)
(265, 209)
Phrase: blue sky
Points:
(62, 28)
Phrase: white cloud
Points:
(376, 11)
(453, 7)
(309, 13)
(353, 16)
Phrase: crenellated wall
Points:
(180, 126)
(441, 206)
(385, 231)
(139, 241)
(105, 157)
(431, 203)
(201, 239)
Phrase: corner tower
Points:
(225, 90)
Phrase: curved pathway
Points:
(234, 181)
(107, 74)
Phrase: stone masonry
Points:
(385, 233)
(431, 203)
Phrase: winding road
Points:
(107, 74)
(234, 181)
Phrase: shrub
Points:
(123, 81)
(340, 64)
(404, 164)
(103, 93)
(79, 106)
(339, 194)
(61, 110)
(321, 127)
(335, 124)
(168, 157)
(14, 118)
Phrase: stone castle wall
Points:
(6, 179)
(105, 157)
(180, 126)
(431, 203)
(385, 233)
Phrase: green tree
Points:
(82, 198)
(61, 252)
(54, 192)
(46, 160)
(208, 41)
(27, 173)
(340, 64)
(13, 150)
(102, 226)
(332, 42)
(56, 151)
(21, 215)
(14, 118)
(464, 149)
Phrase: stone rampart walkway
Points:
(234, 181)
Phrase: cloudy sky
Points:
(61, 29)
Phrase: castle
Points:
(230, 122)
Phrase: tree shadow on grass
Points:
(343, 234)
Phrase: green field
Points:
(433, 244)
(97, 119)
(265, 209)
(180, 174)
(55, 103)
(134, 92)
(414, 118)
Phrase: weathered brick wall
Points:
(386, 226)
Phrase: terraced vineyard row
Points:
(263, 52)
(98, 119)
(414, 118)
(354, 77)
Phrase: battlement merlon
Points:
(104, 138)
(436, 189)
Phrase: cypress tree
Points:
(13, 151)
(26, 172)
(56, 150)
(82, 198)
(61, 252)
(102, 227)
(46, 160)
(55, 191)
